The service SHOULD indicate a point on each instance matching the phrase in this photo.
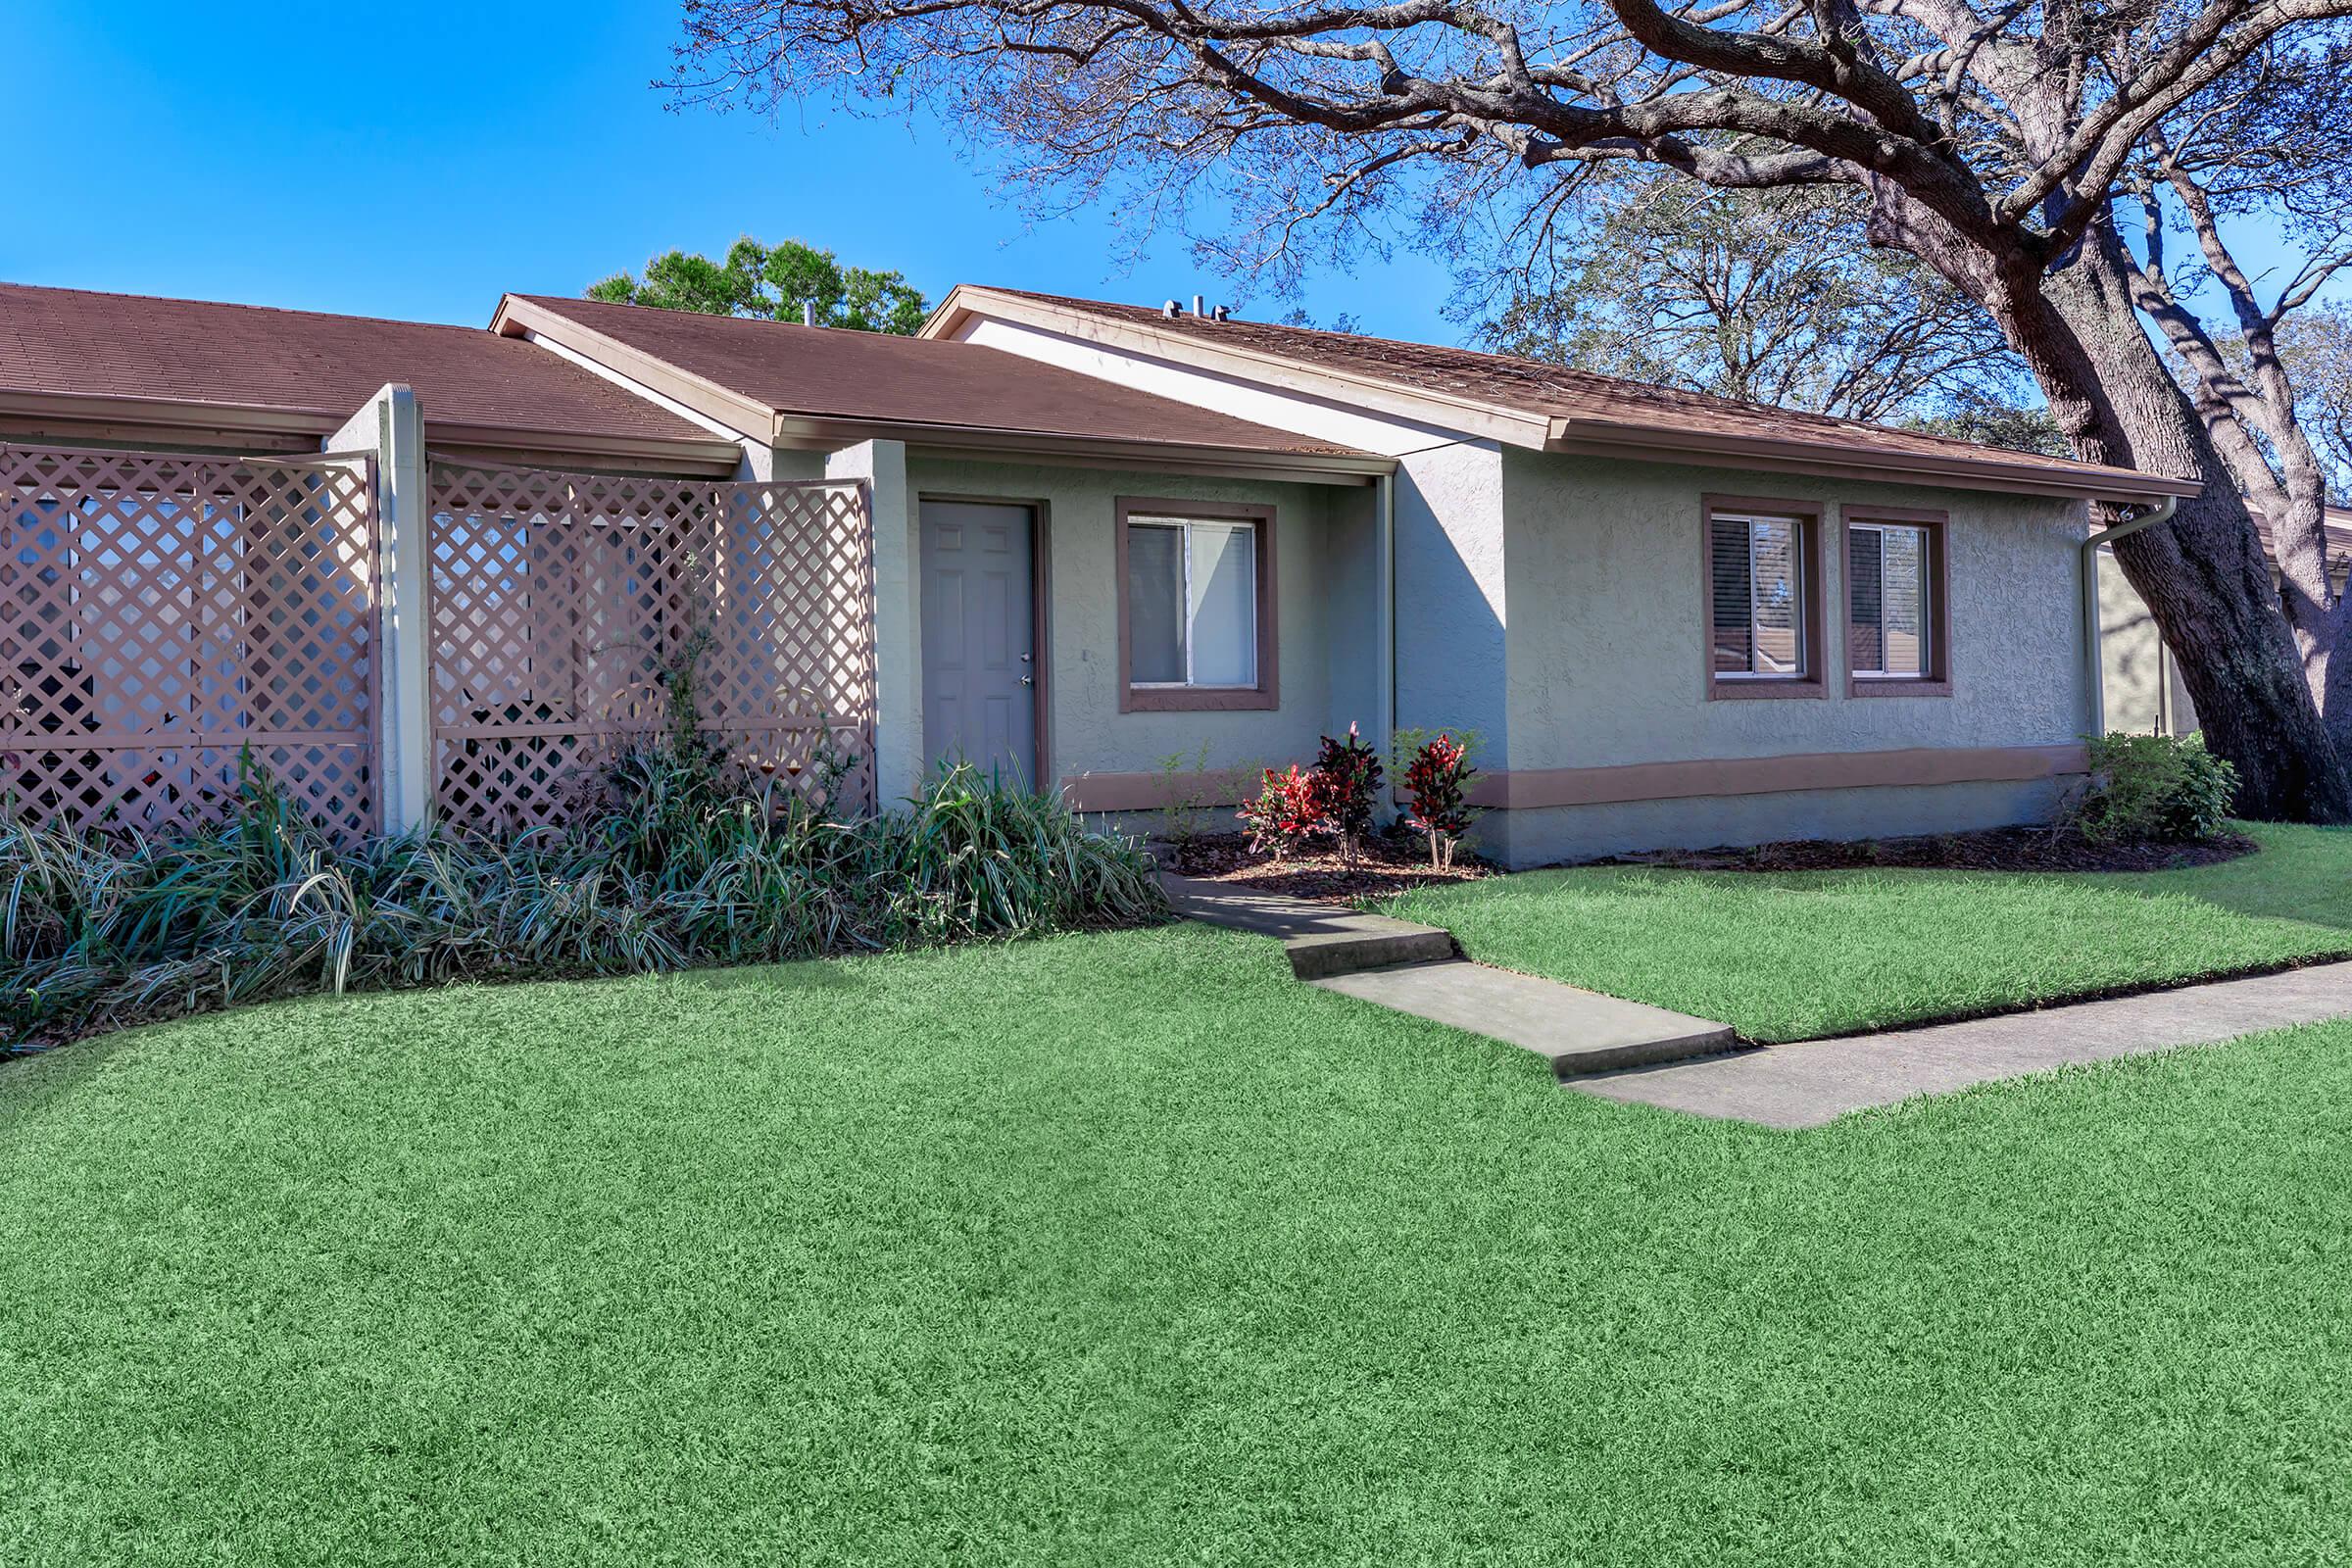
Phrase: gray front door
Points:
(979, 649)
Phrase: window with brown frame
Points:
(1195, 607)
(1897, 626)
(1763, 612)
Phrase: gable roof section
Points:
(821, 386)
(132, 361)
(1546, 406)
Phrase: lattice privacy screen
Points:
(158, 612)
(563, 602)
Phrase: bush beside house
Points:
(679, 859)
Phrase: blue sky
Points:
(416, 160)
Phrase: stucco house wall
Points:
(1605, 609)
(1325, 617)
(2144, 692)
(1452, 590)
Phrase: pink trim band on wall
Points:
(1526, 789)
(1534, 787)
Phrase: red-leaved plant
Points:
(1437, 787)
(1348, 777)
(1287, 812)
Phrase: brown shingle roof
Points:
(2337, 526)
(302, 363)
(1532, 386)
(829, 374)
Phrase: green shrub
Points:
(2158, 788)
(672, 861)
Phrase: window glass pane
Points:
(1154, 604)
(1864, 623)
(1906, 601)
(1778, 637)
(1224, 623)
(1733, 652)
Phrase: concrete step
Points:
(1321, 939)
(1417, 969)
(1577, 1031)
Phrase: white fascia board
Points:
(630, 384)
(1382, 434)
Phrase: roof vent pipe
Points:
(808, 312)
(1171, 310)
(1198, 302)
(1223, 312)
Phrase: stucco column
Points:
(391, 425)
(898, 614)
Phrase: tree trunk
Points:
(2203, 575)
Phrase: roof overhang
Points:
(759, 423)
(751, 419)
(987, 444)
(1468, 416)
(1596, 438)
(87, 416)
(232, 427)
(1493, 420)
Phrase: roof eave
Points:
(722, 405)
(1468, 417)
(167, 413)
(712, 457)
(1592, 438)
(991, 443)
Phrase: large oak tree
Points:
(1993, 141)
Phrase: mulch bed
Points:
(2004, 849)
(1391, 862)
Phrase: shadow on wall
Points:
(1450, 655)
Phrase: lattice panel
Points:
(159, 612)
(562, 603)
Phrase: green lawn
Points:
(1130, 1250)
(1788, 957)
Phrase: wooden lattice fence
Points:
(161, 613)
(562, 603)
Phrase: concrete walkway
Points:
(1416, 970)
(1817, 1081)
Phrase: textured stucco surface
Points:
(1606, 606)
(1547, 835)
(2133, 660)
(1452, 595)
(1317, 597)
(898, 634)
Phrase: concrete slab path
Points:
(1577, 1031)
(1817, 1081)
(1417, 969)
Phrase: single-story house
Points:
(1102, 536)
(2145, 693)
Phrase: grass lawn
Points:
(1788, 957)
(1131, 1249)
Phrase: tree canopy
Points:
(773, 283)
(1766, 296)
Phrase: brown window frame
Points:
(1807, 514)
(1267, 693)
(1937, 680)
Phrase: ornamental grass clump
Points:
(671, 860)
